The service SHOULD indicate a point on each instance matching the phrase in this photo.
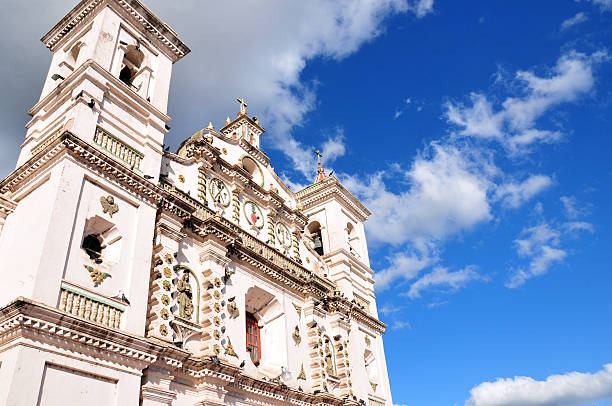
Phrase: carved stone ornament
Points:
(168, 258)
(232, 309)
(167, 272)
(163, 330)
(229, 349)
(97, 276)
(302, 374)
(164, 314)
(165, 300)
(298, 309)
(367, 341)
(296, 336)
(374, 385)
(108, 205)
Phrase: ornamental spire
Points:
(243, 106)
(320, 171)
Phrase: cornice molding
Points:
(327, 189)
(148, 22)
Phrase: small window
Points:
(253, 342)
(93, 247)
(314, 229)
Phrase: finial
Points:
(210, 126)
(243, 106)
(320, 171)
(227, 120)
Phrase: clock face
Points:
(219, 192)
(283, 236)
(253, 214)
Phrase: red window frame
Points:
(253, 341)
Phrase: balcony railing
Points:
(118, 148)
(90, 308)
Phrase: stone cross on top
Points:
(243, 105)
(319, 156)
(320, 171)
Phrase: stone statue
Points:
(329, 361)
(184, 298)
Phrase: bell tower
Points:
(81, 207)
(108, 82)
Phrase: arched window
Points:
(314, 229)
(253, 339)
(252, 168)
(92, 246)
(132, 61)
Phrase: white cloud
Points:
(571, 389)
(334, 147)
(513, 122)
(422, 7)
(389, 309)
(572, 227)
(239, 49)
(579, 18)
(541, 246)
(440, 277)
(400, 325)
(604, 4)
(570, 206)
(447, 195)
(515, 194)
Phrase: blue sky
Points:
(478, 134)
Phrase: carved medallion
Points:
(219, 192)
(283, 236)
(302, 374)
(253, 214)
(108, 205)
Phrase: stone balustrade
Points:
(118, 148)
(90, 308)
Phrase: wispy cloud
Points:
(579, 18)
(513, 123)
(571, 389)
(441, 278)
(514, 194)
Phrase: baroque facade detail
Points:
(158, 278)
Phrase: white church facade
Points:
(136, 276)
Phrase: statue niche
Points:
(185, 297)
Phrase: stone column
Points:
(214, 261)
(236, 204)
(296, 245)
(271, 216)
(167, 239)
(202, 191)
